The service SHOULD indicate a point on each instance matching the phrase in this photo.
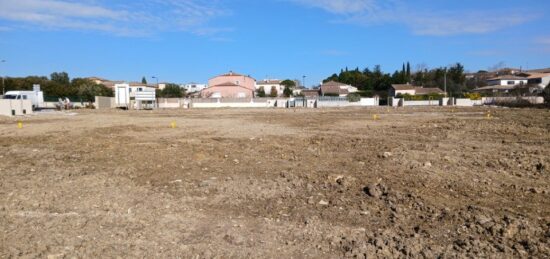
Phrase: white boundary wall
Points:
(467, 102)
(102, 102)
(369, 102)
(230, 105)
(344, 103)
(421, 103)
(496, 100)
(21, 107)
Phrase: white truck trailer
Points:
(134, 96)
(35, 96)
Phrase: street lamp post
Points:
(157, 80)
(304, 81)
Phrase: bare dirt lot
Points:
(325, 183)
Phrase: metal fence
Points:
(232, 100)
(332, 99)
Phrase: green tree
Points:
(354, 97)
(172, 91)
(143, 80)
(260, 92)
(61, 78)
(288, 83)
(408, 72)
(273, 92)
(87, 91)
(287, 92)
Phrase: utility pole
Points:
(3, 85)
(445, 84)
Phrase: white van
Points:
(36, 97)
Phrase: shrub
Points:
(260, 92)
(472, 96)
(273, 92)
(354, 97)
(409, 97)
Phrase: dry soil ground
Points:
(419, 182)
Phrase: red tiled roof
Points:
(310, 93)
(227, 84)
(231, 73)
(429, 90)
(507, 77)
(402, 87)
(333, 87)
(269, 82)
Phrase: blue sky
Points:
(192, 40)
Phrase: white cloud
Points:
(420, 22)
(543, 40)
(139, 18)
(341, 6)
(471, 23)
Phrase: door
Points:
(122, 96)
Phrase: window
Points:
(140, 89)
(511, 82)
(24, 97)
(535, 81)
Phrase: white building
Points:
(268, 84)
(139, 87)
(400, 89)
(507, 80)
(540, 80)
(193, 87)
(141, 95)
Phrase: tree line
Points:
(370, 81)
(59, 85)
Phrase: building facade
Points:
(234, 78)
(227, 90)
(269, 84)
(507, 80)
(399, 89)
(193, 87)
(334, 88)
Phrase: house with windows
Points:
(193, 87)
(230, 85)
(333, 88)
(269, 84)
(135, 87)
(539, 80)
(402, 89)
(506, 80)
